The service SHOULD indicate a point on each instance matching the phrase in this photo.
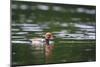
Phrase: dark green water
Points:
(73, 27)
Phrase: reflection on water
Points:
(48, 53)
(72, 26)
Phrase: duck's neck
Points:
(47, 41)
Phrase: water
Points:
(73, 28)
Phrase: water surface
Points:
(72, 26)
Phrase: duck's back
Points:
(37, 41)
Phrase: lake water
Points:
(73, 28)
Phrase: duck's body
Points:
(40, 42)
(37, 41)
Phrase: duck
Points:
(39, 43)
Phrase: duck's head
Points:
(49, 36)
